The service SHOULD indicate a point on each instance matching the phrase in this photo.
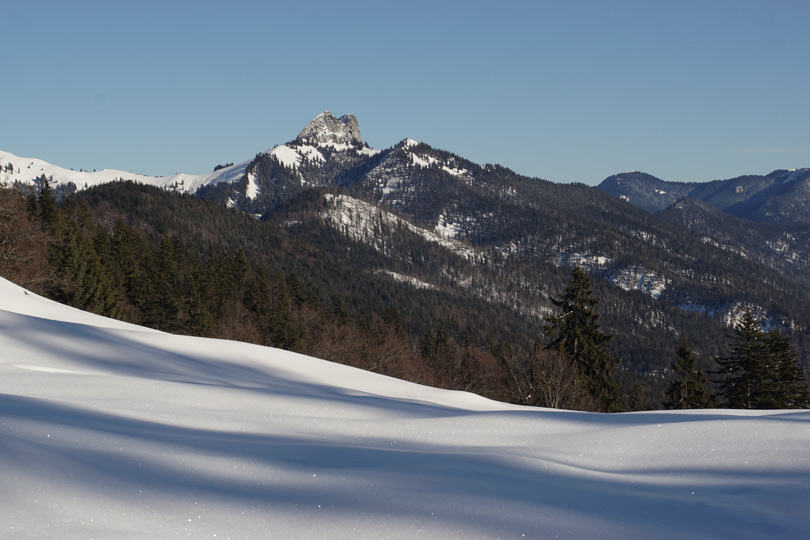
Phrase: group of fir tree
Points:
(760, 372)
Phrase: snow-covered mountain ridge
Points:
(28, 170)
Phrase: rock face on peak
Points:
(326, 129)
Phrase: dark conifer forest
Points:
(182, 264)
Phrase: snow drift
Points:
(109, 430)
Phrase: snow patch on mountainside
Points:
(429, 161)
(408, 280)
(252, 190)
(586, 261)
(455, 171)
(291, 155)
(421, 161)
(447, 228)
(637, 278)
(795, 174)
(358, 220)
(725, 247)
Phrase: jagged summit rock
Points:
(326, 129)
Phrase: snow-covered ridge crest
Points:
(27, 170)
(292, 155)
(791, 175)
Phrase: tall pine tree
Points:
(575, 332)
(741, 375)
(789, 389)
(688, 388)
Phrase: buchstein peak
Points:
(326, 129)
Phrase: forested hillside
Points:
(180, 264)
(418, 263)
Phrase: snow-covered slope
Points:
(26, 170)
(108, 430)
(358, 219)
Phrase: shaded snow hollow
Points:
(108, 430)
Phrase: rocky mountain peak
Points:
(326, 129)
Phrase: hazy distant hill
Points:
(782, 196)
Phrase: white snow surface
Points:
(252, 189)
(26, 170)
(108, 430)
(410, 280)
(640, 279)
(292, 155)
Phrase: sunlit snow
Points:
(291, 156)
(640, 279)
(26, 170)
(358, 219)
(108, 430)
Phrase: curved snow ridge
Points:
(48, 369)
(16, 299)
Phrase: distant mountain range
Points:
(680, 258)
(782, 196)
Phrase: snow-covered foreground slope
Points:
(108, 430)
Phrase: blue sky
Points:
(565, 91)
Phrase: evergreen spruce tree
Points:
(48, 207)
(788, 389)
(688, 389)
(197, 304)
(575, 332)
(257, 300)
(166, 300)
(743, 376)
(283, 332)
